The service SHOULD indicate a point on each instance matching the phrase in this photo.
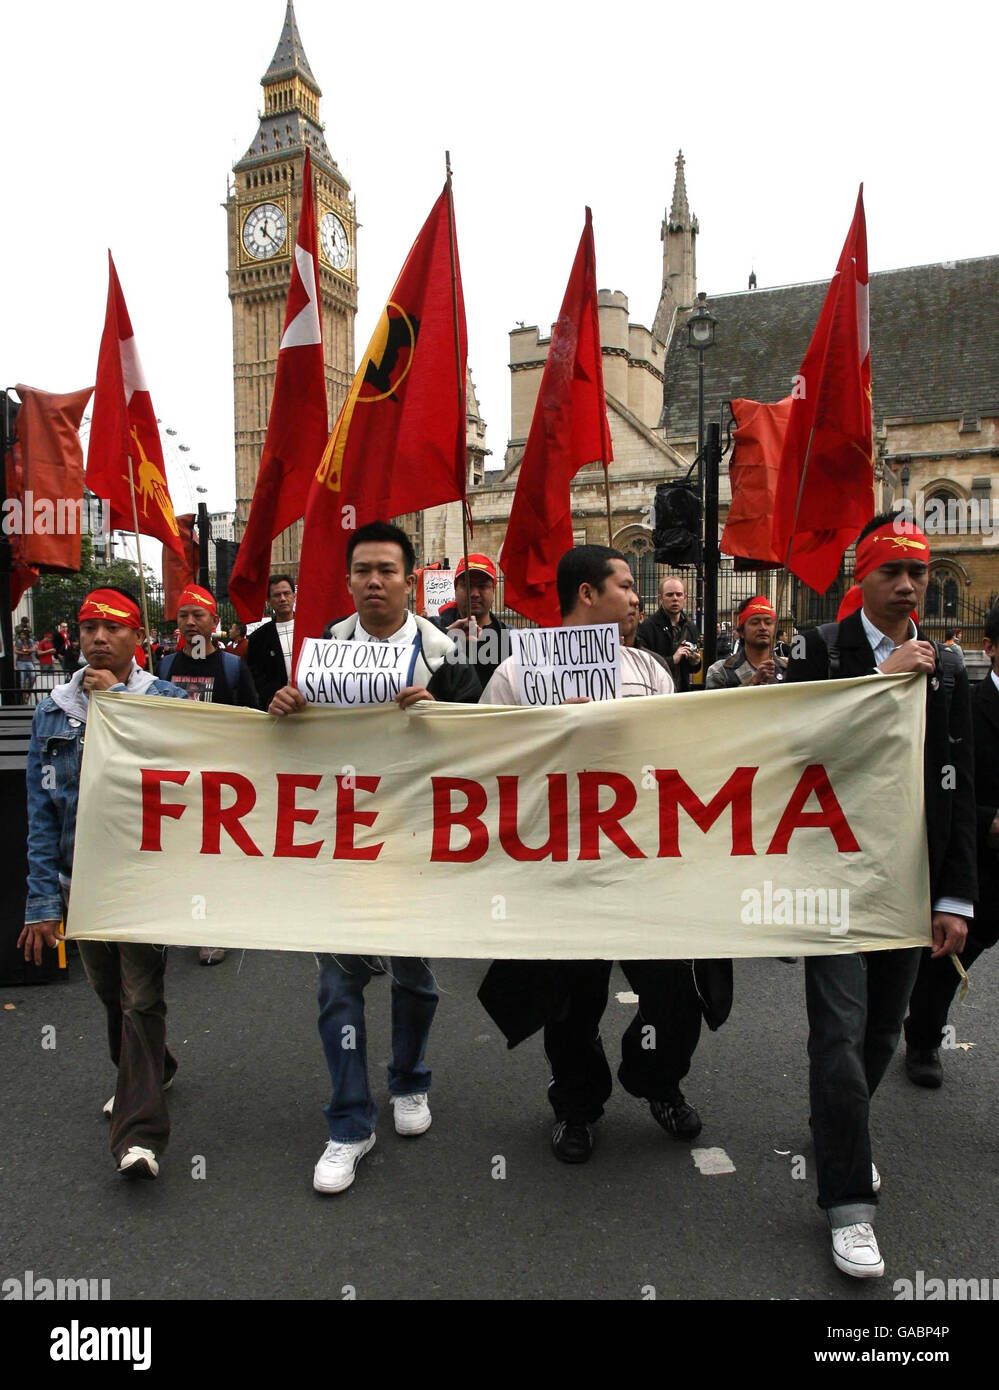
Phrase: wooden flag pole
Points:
(462, 424)
(782, 582)
(142, 577)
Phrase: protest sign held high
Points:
(395, 835)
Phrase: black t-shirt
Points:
(205, 680)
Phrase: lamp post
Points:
(700, 337)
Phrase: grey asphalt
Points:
(426, 1217)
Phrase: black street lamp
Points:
(700, 337)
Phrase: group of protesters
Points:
(856, 1002)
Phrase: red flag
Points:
(298, 425)
(48, 431)
(830, 422)
(177, 573)
(758, 440)
(123, 427)
(398, 444)
(569, 429)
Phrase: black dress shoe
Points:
(572, 1143)
(922, 1066)
(676, 1117)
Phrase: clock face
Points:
(264, 231)
(333, 235)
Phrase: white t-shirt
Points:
(286, 636)
(641, 674)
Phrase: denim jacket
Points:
(54, 758)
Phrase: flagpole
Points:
(602, 410)
(782, 582)
(462, 424)
(142, 577)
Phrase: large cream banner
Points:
(784, 820)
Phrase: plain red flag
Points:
(298, 425)
(124, 426)
(758, 442)
(48, 433)
(830, 423)
(398, 444)
(569, 429)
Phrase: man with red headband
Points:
(856, 1003)
(209, 675)
(128, 977)
(756, 662)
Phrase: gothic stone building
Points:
(935, 359)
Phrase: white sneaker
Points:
(139, 1163)
(875, 1179)
(412, 1113)
(338, 1164)
(855, 1251)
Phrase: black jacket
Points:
(490, 650)
(985, 717)
(266, 662)
(950, 811)
(657, 635)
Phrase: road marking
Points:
(625, 996)
(711, 1162)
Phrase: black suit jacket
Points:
(266, 662)
(985, 717)
(950, 810)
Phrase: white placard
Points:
(438, 590)
(354, 673)
(555, 664)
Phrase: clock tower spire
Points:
(262, 206)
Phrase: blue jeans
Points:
(856, 1004)
(351, 1112)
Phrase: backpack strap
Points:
(230, 668)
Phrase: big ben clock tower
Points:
(262, 206)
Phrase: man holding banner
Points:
(595, 586)
(407, 659)
(127, 978)
(856, 1002)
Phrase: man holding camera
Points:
(672, 635)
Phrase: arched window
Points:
(945, 513)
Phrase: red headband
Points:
(753, 606)
(896, 540)
(194, 595)
(112, 607)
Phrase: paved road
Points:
(426, 1217)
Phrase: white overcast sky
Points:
(123, 120)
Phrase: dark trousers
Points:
(656, 1048)
(856, 1004)
(935, 987)
(128, 980)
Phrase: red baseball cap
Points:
(476, 562)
